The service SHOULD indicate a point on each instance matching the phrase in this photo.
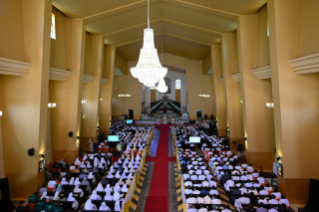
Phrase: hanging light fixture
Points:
(148, 69)
(162, 88)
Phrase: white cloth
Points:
(64, 182)
(284, 201)
(108, 196)
(77, 181)
(52, 184)
(56, 196)
(207, 199)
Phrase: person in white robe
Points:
(64, 182)
(117, 206)
(104, 207)
(77, 189)
(89, 205)
(108, 196)
(91, 145)
(75, 203)
(95, 196)
(56, 196)
(77, 181)
(100, 187)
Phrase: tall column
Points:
(232, 88)
(66, 117)
(91, 93)
(258, 120)
(106, 89)
(296, 105)
(24, 103)
(219, 90)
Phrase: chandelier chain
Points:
(148, 13)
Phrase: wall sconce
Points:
(78, 137)
(278, 158)
(124, 95)
(101, 99)
(51, 105)
(0, 112)
(83, 117)
(43, 154)
(245, 138)
(83, 101)
(204, 95)
(270, 104)
(241, 101)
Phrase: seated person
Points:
(226, 209)
(262, 191)
(261, 208)
(40, 205)
(95, 196)
(285, 201)
(58, 208)
(263, 201)
(23, 207)
(283, 208)
(43, 189)
(273, 200)
(49, 207)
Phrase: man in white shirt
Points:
(226, 209)
(250, 168)
(191, 200)
(262, 191)
(273, 200)
(216, 201)
(277, 194)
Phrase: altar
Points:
(165, 106)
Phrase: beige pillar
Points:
(106, 89)
(296, 105)
(24, 103)
(219, 90)
(258, 119)
(2, 175)
(232, 88)
(91, 93)
(65, 117)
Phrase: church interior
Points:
(159, 105)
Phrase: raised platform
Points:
(153, 119)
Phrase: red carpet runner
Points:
(157, 200)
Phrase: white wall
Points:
(173, 75)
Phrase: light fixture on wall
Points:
(100, 99)
(51, 104)
(0, 112)
(83, 101)
(148, 70)
(270, 104)
(241, 101)
(124, 95)
(204, 95)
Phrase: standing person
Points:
(96, 147)
(119, 149)
(239, 148)
(91, 145)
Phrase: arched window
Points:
(178, 84)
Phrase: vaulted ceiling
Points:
(182, 27)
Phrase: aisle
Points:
(157, 200)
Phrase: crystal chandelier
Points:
(161, 87)
(148, 70)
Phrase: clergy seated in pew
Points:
(206, 208)
(266, 206)
(104, 206)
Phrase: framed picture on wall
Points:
(41, 165)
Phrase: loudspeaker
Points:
(71, 134)
(199, 113)
(31, 151)
(130, 114)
